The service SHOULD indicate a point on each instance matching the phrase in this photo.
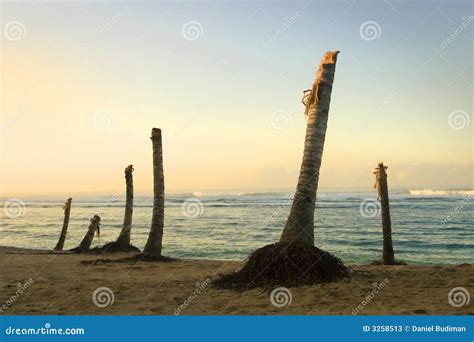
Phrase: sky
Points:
(83, 83)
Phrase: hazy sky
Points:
(83, 83)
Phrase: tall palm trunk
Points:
(294, 260)
(155, 238)
(388, 256)
(299, 227)
(87, 240)
(124, 237)
(62, 237)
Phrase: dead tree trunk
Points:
(299, 227)
(62, 237)
(388, 256)
(87, 240)
(155, 238)
(294, 259)
(124, 237)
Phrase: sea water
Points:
(429, 227)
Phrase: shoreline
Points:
(62, 285)
(24, 250)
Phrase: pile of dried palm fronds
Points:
(114, 247)
(286, 265)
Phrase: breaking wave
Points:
(429, 192)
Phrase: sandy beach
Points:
(62, 284)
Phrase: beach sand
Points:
(63, 285)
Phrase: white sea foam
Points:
(429, 192)
(236, 193)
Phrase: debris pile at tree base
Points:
(133, 259)
(285, 265)
(114, 247)
(78, 250)
(111, 247)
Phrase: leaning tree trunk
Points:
(155, 238)
(87, 240)
(299, 227)
(62, 237)
(294, 260)
(124, 237)
(388, 256)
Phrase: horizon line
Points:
(233, 191)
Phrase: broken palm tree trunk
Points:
(62, 237)
(122, 244)
(87, 240)
(124, 237)
(152, 250)
(388, 256)
(154, 243)
(294, 260)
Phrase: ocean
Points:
(429, 227)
